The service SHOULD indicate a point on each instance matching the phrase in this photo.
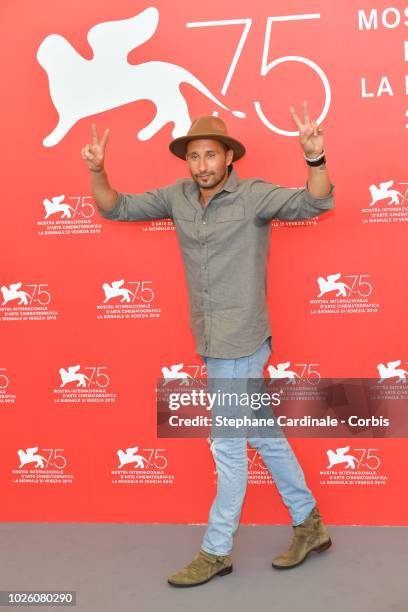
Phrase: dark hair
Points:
(226, 148)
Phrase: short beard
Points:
(210, 186)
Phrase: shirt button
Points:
(205, 290)
(204, 222)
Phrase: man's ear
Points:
(229, 156)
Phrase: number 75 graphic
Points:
(265, 67)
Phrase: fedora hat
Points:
(207, 127)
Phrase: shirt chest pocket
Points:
(184, 220)
(184, 213)
(230, 227)
(231, 212)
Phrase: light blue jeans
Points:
(231, 460)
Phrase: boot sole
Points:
(223, 572)
(320, 548)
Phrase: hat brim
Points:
(179, 145)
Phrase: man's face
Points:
(208, 161)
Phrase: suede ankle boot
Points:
(202, 568)
(311, 535)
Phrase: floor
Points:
(124, 567)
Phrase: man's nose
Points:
(202, 165)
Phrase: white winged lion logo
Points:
(80, 87)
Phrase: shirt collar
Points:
(231, 183)
(193, 192)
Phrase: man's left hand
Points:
(311, 134)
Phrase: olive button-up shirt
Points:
(225, 249)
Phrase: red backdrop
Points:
(78, 368)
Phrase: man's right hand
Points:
(94, 154)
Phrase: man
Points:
(223, 227)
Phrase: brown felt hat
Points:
(207, 127)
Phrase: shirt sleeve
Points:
(140, 206)
(275, 202)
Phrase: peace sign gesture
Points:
(94, 154)
(311, 135)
